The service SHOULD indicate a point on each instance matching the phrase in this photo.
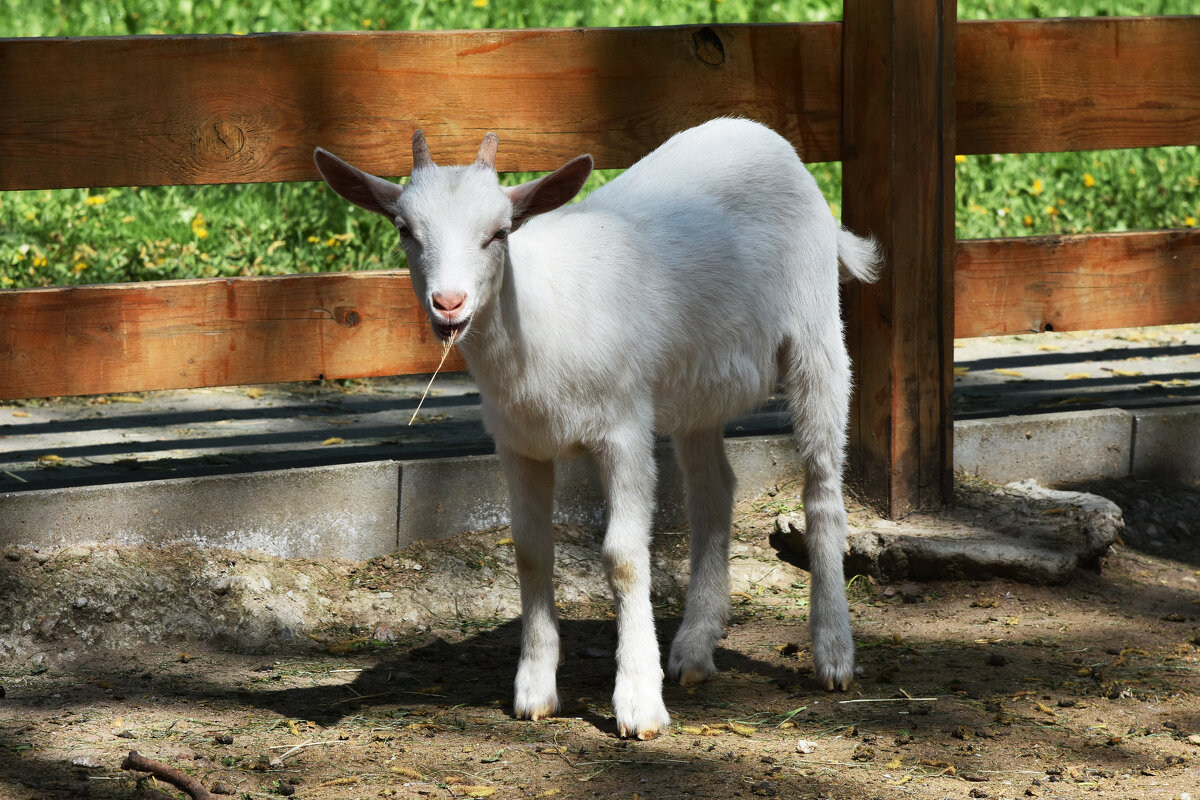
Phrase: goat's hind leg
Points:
(531, 491)
(818, 383)
(708, 480)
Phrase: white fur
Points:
(669, 300)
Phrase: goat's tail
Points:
(860, 258)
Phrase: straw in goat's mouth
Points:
(446, 345)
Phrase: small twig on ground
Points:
(302, 745)
(180, 780)
(359, 697)
(889, 700)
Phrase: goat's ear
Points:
(549, 191)
(362, 189)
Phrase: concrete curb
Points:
(1080, 445)
(355, 511)
(362, 510)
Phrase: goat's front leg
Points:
(627, 468)
(531, 492)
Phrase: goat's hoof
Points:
(643, 734)
(640, 717)
(693, 677)
(842, 685)
(833, 656)
(690, 663)
(526, 707)
(533, 714)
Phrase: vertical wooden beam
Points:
(898, 184)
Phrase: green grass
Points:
(125, 234)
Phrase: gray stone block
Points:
(1065, 446)
(446, 497)
(319, 512)
(1166, 443)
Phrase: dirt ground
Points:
(402, 686)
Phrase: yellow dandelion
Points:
(30, 215)
(960, 159)
(1189, 222)
(79, 267)
(1036, 188)
(332, 241)
(95, 200)
(1052, 211)
(39, 261)
(314, 240)
(479, 3)
(1088, 180)
(1028, 220)
(198, 228)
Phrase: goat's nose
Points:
(449, 302)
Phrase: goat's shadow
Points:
(478, 672)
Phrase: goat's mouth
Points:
(451, 331)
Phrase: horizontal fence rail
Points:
(182, 334)
(1032, 86)
(1083, 282)
(240, 109)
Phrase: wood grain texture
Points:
(898, 145)
(1033, 86)
(234, 109)
(184, 334)
(241, 109)
(1084, 282)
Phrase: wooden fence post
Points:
(898, 184)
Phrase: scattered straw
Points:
(445, 352)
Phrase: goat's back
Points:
(699, 262)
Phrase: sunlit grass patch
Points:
(1041, 193)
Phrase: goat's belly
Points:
(533, 435)
(691, 405)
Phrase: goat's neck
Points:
(495, 349)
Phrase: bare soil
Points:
(385, 680)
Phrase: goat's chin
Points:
(447, 331)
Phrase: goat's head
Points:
(454, 222)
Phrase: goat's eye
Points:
(404, 231)
(500, 235)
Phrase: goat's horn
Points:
(487, 151)
(421, 157)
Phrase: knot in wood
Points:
(708, 46)
(224, 139)
(347, 316)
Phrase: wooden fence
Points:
(894, 93)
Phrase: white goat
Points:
(669, 300)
